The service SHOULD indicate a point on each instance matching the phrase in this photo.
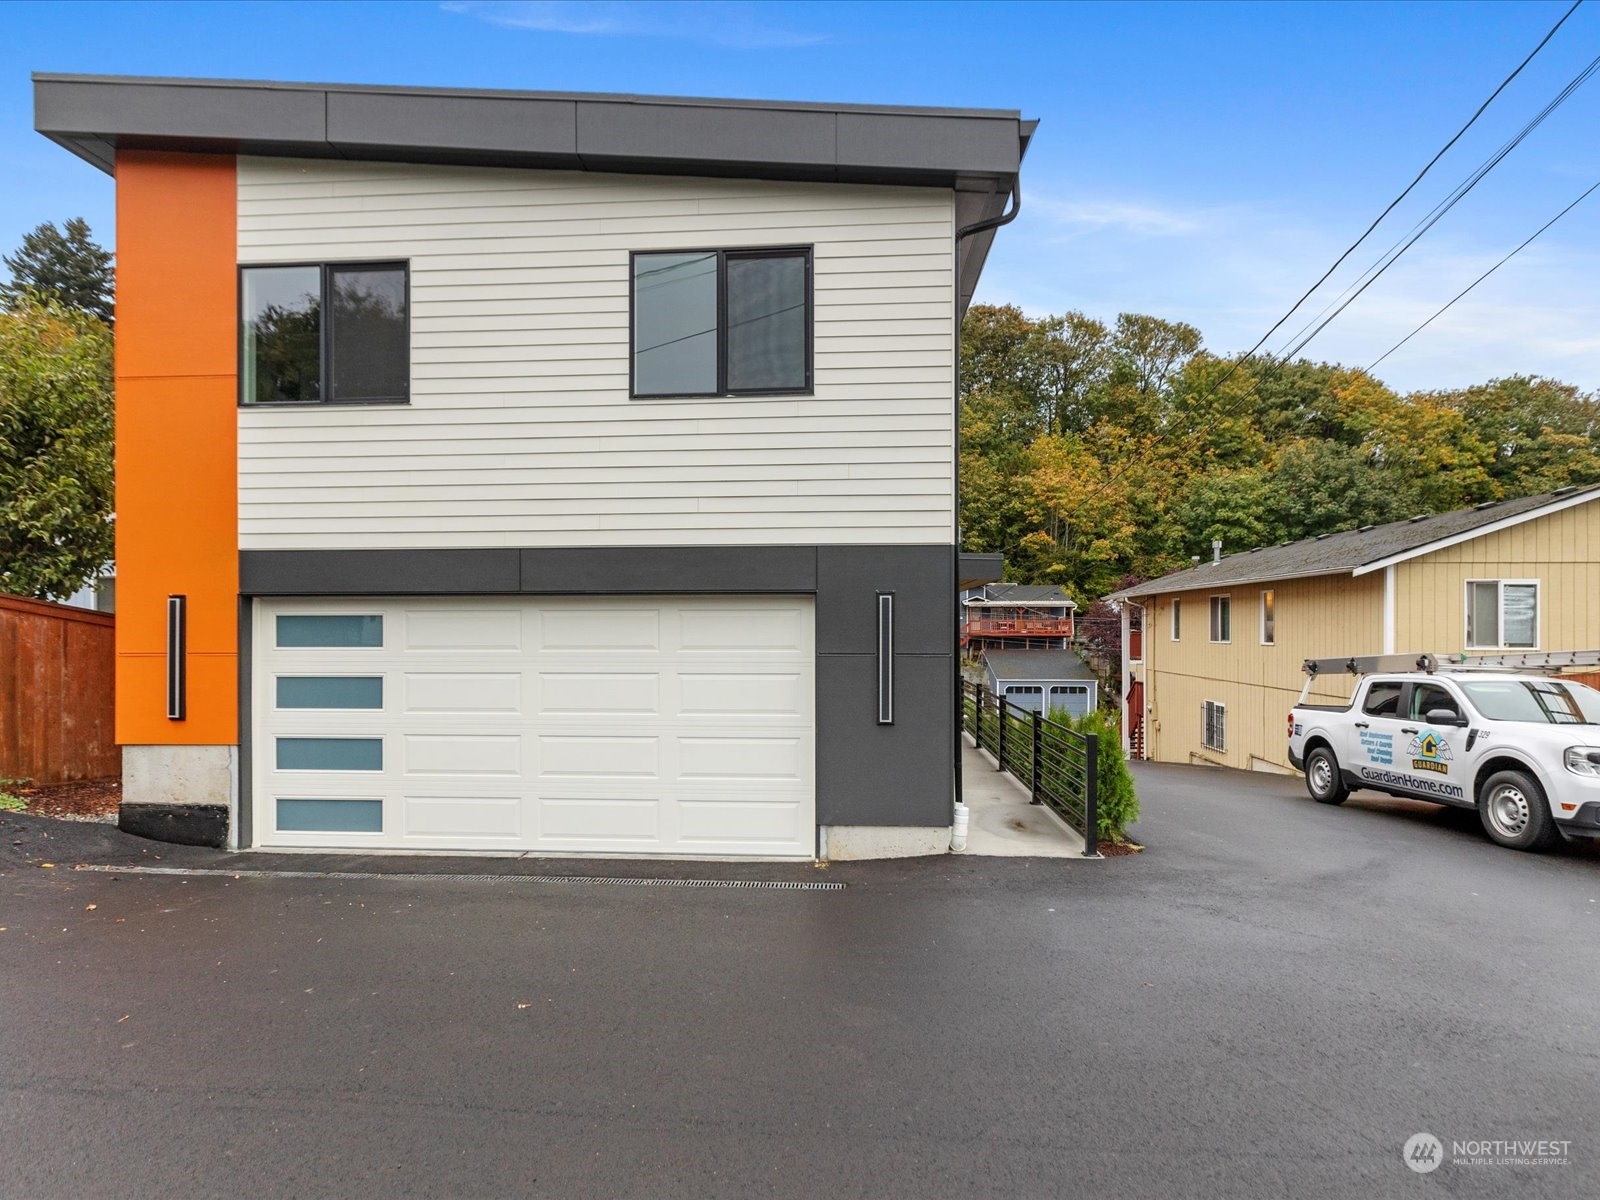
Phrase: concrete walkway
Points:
(1002, 822)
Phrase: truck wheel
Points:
(1323, 778)
(1514, 812)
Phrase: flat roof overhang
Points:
(975, 152)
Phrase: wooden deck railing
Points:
(1017, 627)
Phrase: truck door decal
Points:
(1430, 752)
(1379, 747)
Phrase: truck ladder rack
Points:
(1532, 660)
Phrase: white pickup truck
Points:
(1524, 750)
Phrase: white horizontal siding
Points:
(521, 432)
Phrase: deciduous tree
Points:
(55, 449)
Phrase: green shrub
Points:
(1119, 802)
(10, 803)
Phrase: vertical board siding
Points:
(56, 693)
(1561, 551)
(1315, 618)
(520, 430)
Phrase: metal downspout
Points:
(962, 234)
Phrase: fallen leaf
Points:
(47, 864)
(90, 907)
(123, 1018)
(524, 1004)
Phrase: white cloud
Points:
(732, 25)
(1078, 217)
(1232, 272)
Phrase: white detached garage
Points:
(618, 725)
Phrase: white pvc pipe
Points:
(958, 831)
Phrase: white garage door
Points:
(592, 725)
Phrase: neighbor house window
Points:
(325, 333)
(1221, 619)
(1177, 619)
(722, 323)
(1215, 733)
(1502, 614)
(1269, 635)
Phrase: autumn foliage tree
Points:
(1095, 451)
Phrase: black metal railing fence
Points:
(1056, 763)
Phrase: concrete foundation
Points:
(844, 843)
(178, 774)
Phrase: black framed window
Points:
(721, 323)
(325, 333)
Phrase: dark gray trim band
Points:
(684, 570)
(92, 115)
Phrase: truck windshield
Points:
(1542, 701)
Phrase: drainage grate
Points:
(764, 885)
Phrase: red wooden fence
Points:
(57, 672)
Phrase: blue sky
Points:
(1202, 162)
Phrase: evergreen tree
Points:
(66, 268)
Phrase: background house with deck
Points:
(1224, 642)
(1016, 616)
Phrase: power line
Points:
(1393, 204)
(1443, 150)
(1594, 187)
(1385, 261)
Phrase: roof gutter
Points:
(1218, 584)
(962, 234)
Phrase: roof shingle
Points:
(1342, 553)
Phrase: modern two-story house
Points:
(532, 472)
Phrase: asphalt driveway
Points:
(1268, 1002)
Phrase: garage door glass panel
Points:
(329, 632)
(330, 816)
(330, 754)
(330, 691)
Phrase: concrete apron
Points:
(1002, 822)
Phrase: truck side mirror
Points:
(1445, 716)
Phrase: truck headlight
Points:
(1583, 760)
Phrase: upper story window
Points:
(722, 323)
(1502, 613)
(1177, 620)
(1221, 619)
(325, 333)
(1269, 617)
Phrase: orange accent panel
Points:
(177, 278)
(177, 441)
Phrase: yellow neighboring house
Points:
(1219, 663)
